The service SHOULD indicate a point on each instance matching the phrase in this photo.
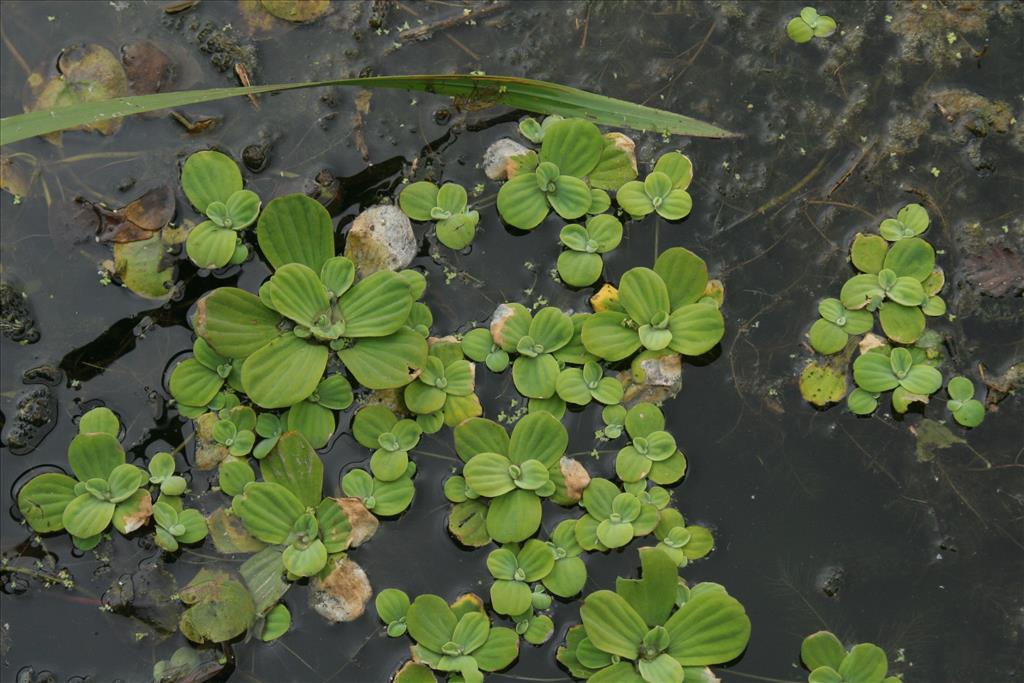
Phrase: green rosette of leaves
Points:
(580, 386)
(536, 340)
(663, 308)
(580, 265)
(652, 451)
(662, 192)
(176, 526)
(514, 569)
(478, 345)
(831, 332)
(967, 410)
(287, 508)
(313, 416)
(198, 383)
(681, 542)
(905, 372)
(213, 185)
(105, 489)
(568, 574)
(447, 205)
(810, 25)
(570, 150)
(614, 516)
(380, 490)
(828, 661)
(654, 629)
(457, 640)
(443, 392)
(514, 474)
(899, 280)
(311, 306)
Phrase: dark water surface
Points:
(822, 519)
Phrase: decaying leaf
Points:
(823, 383)
(229, 534)
(576, 478)
(18, 173)
(142, 267)
(342, 594)
(147, 68)
(363, 522)
(86, 73)
(933, 436)
(139, 219)
(221, 607)
(997, 271)
(297, 11)
(1001, 386)
(209, 453)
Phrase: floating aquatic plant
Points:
(580, 264)
(580, 386)
(652, 452)
(903, 371)
(571, 149)
(535, 339)
(287, 509)
(478, 345)
(568, 574)
(213, 185)
(310, 307)
(448, 205)
(830, 333)
(662, 192)
(387, 489)
(512, 473)
(443, 391)
(810, 25)
(660, 308)
(456, 640)
(828, 661)
(196, 382)
(513, 570)
(175, 525)
(654, 629)
(614, 517)
(966, 410)
(681, 542)
(105, 490)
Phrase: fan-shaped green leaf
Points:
(296, 229)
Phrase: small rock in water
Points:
(498, 158)
(652, 380)
(35, 417)
(381, 238)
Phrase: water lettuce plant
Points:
(662, 192)
(513, 473)
(535, 339)
(196, 383)
(448, 205)
(900, 370)
(176, 526)
(652, 452)
(479, 345)
(830, 333)
(899, 281)
(580, 386)
(614, 418)
(568, 574)
(660, 308)
(810, 24)
(570, 149)
(910, 221)
(213, 185)
(654, 629)
(313, 416)
(614, 517)
(514, 569)
(966, 410)
(681, 542)
(105, 490)
(580, 265)
(287, 508)
(390, 438)
(443, 390)
(379, 491)
(161, 473)
(534, 130)
(456, 640)
(310, 307)
(828, 661)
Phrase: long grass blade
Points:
(522, 93)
